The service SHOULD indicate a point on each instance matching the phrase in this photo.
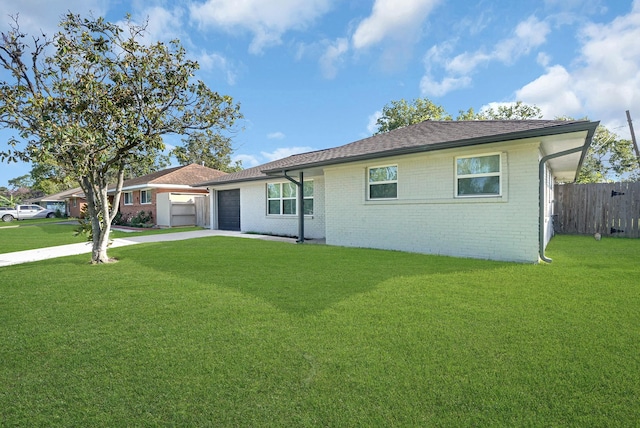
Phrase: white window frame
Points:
(375, 183)
(281, 199)
(146, 201)
(124, 198)
(479, 175)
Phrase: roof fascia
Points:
(238, 180)
(152, 186)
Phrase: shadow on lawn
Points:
(297, 279)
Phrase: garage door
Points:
(229, 209)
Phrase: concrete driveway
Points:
(27, 256)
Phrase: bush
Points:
(142, 219)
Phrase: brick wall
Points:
(129, 211)
(253, 211)
(427, 218)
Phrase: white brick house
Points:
(469, 189)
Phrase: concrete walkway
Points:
(27, 256)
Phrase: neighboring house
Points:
(162, 192)
(481, 189)
(68, 202)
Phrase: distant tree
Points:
(208, 149)
(22, 181)
(49, 180)
(511, 111)
(20, 189)
(610, 158)
(95, 101)
(400, 113)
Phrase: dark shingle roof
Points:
(423, 136)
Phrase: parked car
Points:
(23, 212)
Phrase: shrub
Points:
(142, 219)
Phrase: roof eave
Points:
(238, 180)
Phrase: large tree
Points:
(610, 158)
(95, 100)
(510, 111)
(401, 113)
(208, 149)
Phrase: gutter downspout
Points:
(300, 201)
(211, 207)
(541, 202)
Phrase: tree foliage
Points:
(401, 113)
(208, 149)
(610, 158)
(511, 111)
(94, 102)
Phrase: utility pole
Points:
(633, 137)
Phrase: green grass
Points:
(40, 233)
(40, 221)
(240, 332)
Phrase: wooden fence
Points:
(611, 209)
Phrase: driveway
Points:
(85, 247)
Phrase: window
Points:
(478, 175)
(128, 198)
(145, 196)
(383, 182)
(282, 198)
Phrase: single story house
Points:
(480, 189)
(68, 202)
(161, 193)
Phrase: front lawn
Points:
(240, 332)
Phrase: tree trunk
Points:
(98, 206)
(99, 252)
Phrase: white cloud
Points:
(543, 59)
(372, 126)
(553, 93)
(528, 35)
(248, 161)
(610, 55)
(35, 18)
(276, 135)
(396, 19)
(434, 88)
(217, 62)
(284, 152)
(604, 81)
(466, 62)
(265, 20)
(333, 57)
(162, 24)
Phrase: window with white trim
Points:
(282, 198)
(382, 182)
(128, 198)
(479, 175)
(145, 196)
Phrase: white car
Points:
(23, 212)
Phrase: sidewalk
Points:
(85, 247)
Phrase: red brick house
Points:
(173, 184)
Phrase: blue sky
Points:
(312, 74)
